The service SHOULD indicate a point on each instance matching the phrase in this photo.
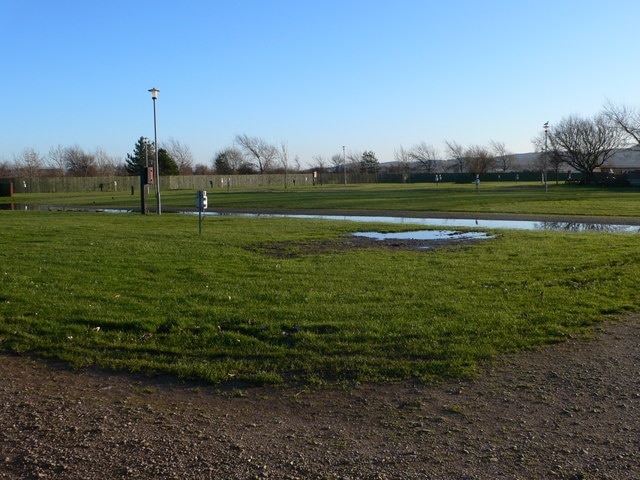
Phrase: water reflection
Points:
(471, 223)
(431, 222)
(60, 208)
(424, 235)
(588, 227)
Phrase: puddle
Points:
(427, 222)
(423, 239)
(588, 227)
(424, 235)
(460, 222)
(55, 208)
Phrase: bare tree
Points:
(121, 168)
(270, 155)
(56, 159)
(403, 159)
(544, 161)
(6, 170)
(283, 158)
(425, 155)
(251, 148)
(263, 153)
(28, 163)
(457, 154)
(353, 159)
(236, 159)
(79, 163)
(283, 155)
(626, 119)
(503, 158)
(479, 159)
(201, 169)
(181, 154)
(318, 163)
(585, 144)
(104, 164)
(228, 161)
(337, 161)
(475, 159)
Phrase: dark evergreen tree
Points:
(247, 169)
(142, 152)
(167, 165)
(222, 163)
(369, 163)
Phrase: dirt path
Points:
(569, 411)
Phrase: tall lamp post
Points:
(546, 156)
(156, 167)
(344, 164)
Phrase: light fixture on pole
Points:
(156, 170)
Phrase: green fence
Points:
(528, 176)
(177, 182)
(211, 182)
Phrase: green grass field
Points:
(150, 294)
(520, 198)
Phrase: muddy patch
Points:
(293, 249)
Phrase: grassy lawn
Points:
(521, 198)
(148, 293)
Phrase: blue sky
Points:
(370, 75)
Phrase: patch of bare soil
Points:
(290, 249)
(568, 411)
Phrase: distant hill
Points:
(625, 159)
(628, 159)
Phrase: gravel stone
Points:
(567, 411)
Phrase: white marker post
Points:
(201, 205)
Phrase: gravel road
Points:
(568, 411)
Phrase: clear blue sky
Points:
(370, 75)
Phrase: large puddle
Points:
(462, 222)
(429, 221)
(422, 239)
(424, 235)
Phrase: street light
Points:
(156, 170)
(344, 164)
(546, 156)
